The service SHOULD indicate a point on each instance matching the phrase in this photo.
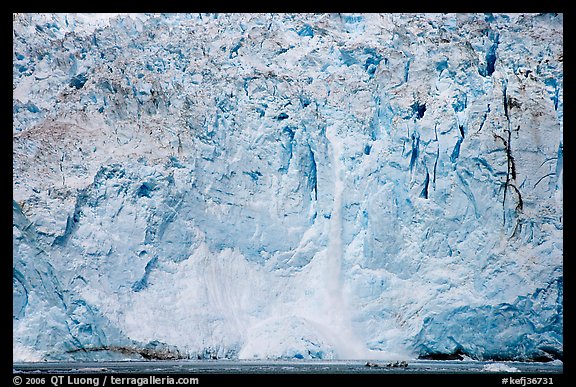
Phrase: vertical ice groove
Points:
(407, 69)
(491, 55)
(313, 174)
(484, 118)
(424, 192)
(465, 186)
(20, 294)
(559, 164)
(456, 150)
(415, 149)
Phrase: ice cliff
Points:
(287, 186)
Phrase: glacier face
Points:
(287, 185)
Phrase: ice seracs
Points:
(380, 186)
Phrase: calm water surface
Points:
(287, 367)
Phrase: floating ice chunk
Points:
(499, 367)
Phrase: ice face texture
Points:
(287, 186)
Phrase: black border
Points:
(316, 380)
(458, 379)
